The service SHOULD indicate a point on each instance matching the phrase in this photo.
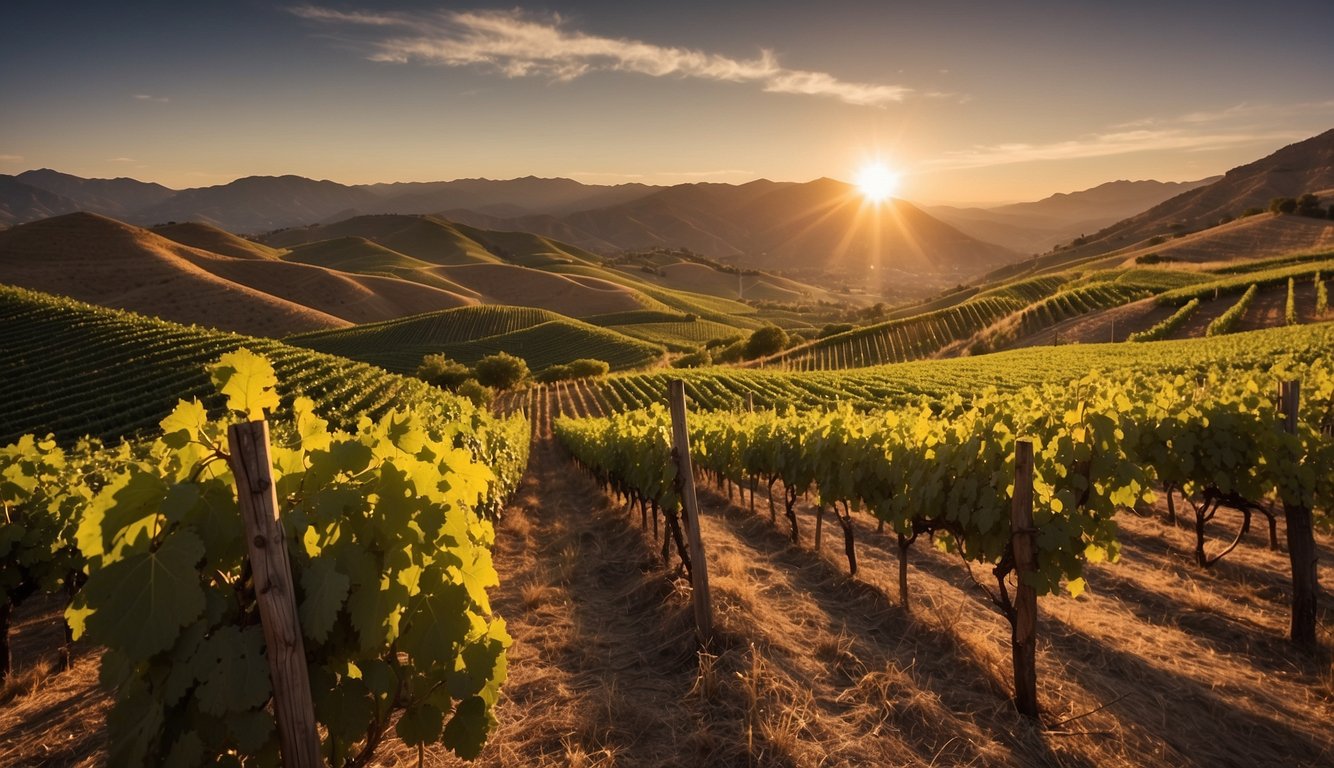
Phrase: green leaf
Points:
(468, 728)
(141, 603)
(324, 590)
(187, 752)
(436, 623)
(247, 381)
(420, 724)
(238, 676)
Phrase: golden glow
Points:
(876, 182)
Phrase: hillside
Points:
(540, 337)
(107, 262)
(20, 202)
(820, 226)
(74, 369)
(116, 198)
(1307, 166)
(257, 203)
(1038, 226)
(210, 238)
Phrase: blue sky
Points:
(971, 101)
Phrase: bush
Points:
(553, 373)
(587, 367)
(1309, 205)
(697, 359)
(501, 370)
(765, 341)
(1283, 205)
(1255, 211)
(721, 342)
(732, 353)
(443, 372)
(832, 329)
(480, 396)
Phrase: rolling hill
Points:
(1038, 226)
(20, 202)
(467, 334)
(1307, 166)
(107, 262)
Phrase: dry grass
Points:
(572, 295)
(1161, 663)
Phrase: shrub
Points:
(697, 359)
(587, 367)
(1283, 205)
(501, 370)
(480, 396)
(443, 372)
(731, 353)
(832, 329)
(765, 341)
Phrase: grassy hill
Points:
(73, 369)
(467, 334)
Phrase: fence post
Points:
(1301, 539)
(267, 548)
(1024, 639)
(685, 478)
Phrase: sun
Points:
(876, 182)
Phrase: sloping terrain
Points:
(105, 262)
(1040, 225)
(540, 337)
(1307, 166)
(210, 238)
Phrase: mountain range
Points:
(823, 227)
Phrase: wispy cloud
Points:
(1245, 112)
(11, 158)
(120, 160)
(1103, 145)
(518, 44)
(150, 97)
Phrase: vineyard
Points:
(858, 536)
(468, 334)
(882, 386)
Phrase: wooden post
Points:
(750, 401)
(1301, 540)
(685, 478)
(1024, 638)
(267, 547)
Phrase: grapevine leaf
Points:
(143, 601)
(324, 590)
(436, 623)
(248, 382)
(1075, 587)
(420, 724)
(252, 729)
(238, 676)
(468, 728)
(187, 752)
(185, 423)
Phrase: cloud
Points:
(1103, 145)
(11, 158)
(517, 44)
(120, 160)
(148, 97)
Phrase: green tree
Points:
(479, 395)
(766, 341)
(1283, 205)
(1309, 205)
(587, 367)
(501, 370)
(696, 359)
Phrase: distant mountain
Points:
(1039, 226)
(816, 226)
(20, 202)
(259, 203)
(508, 198)
(118, 197)
(1307, 166)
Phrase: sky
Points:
(970, 102)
